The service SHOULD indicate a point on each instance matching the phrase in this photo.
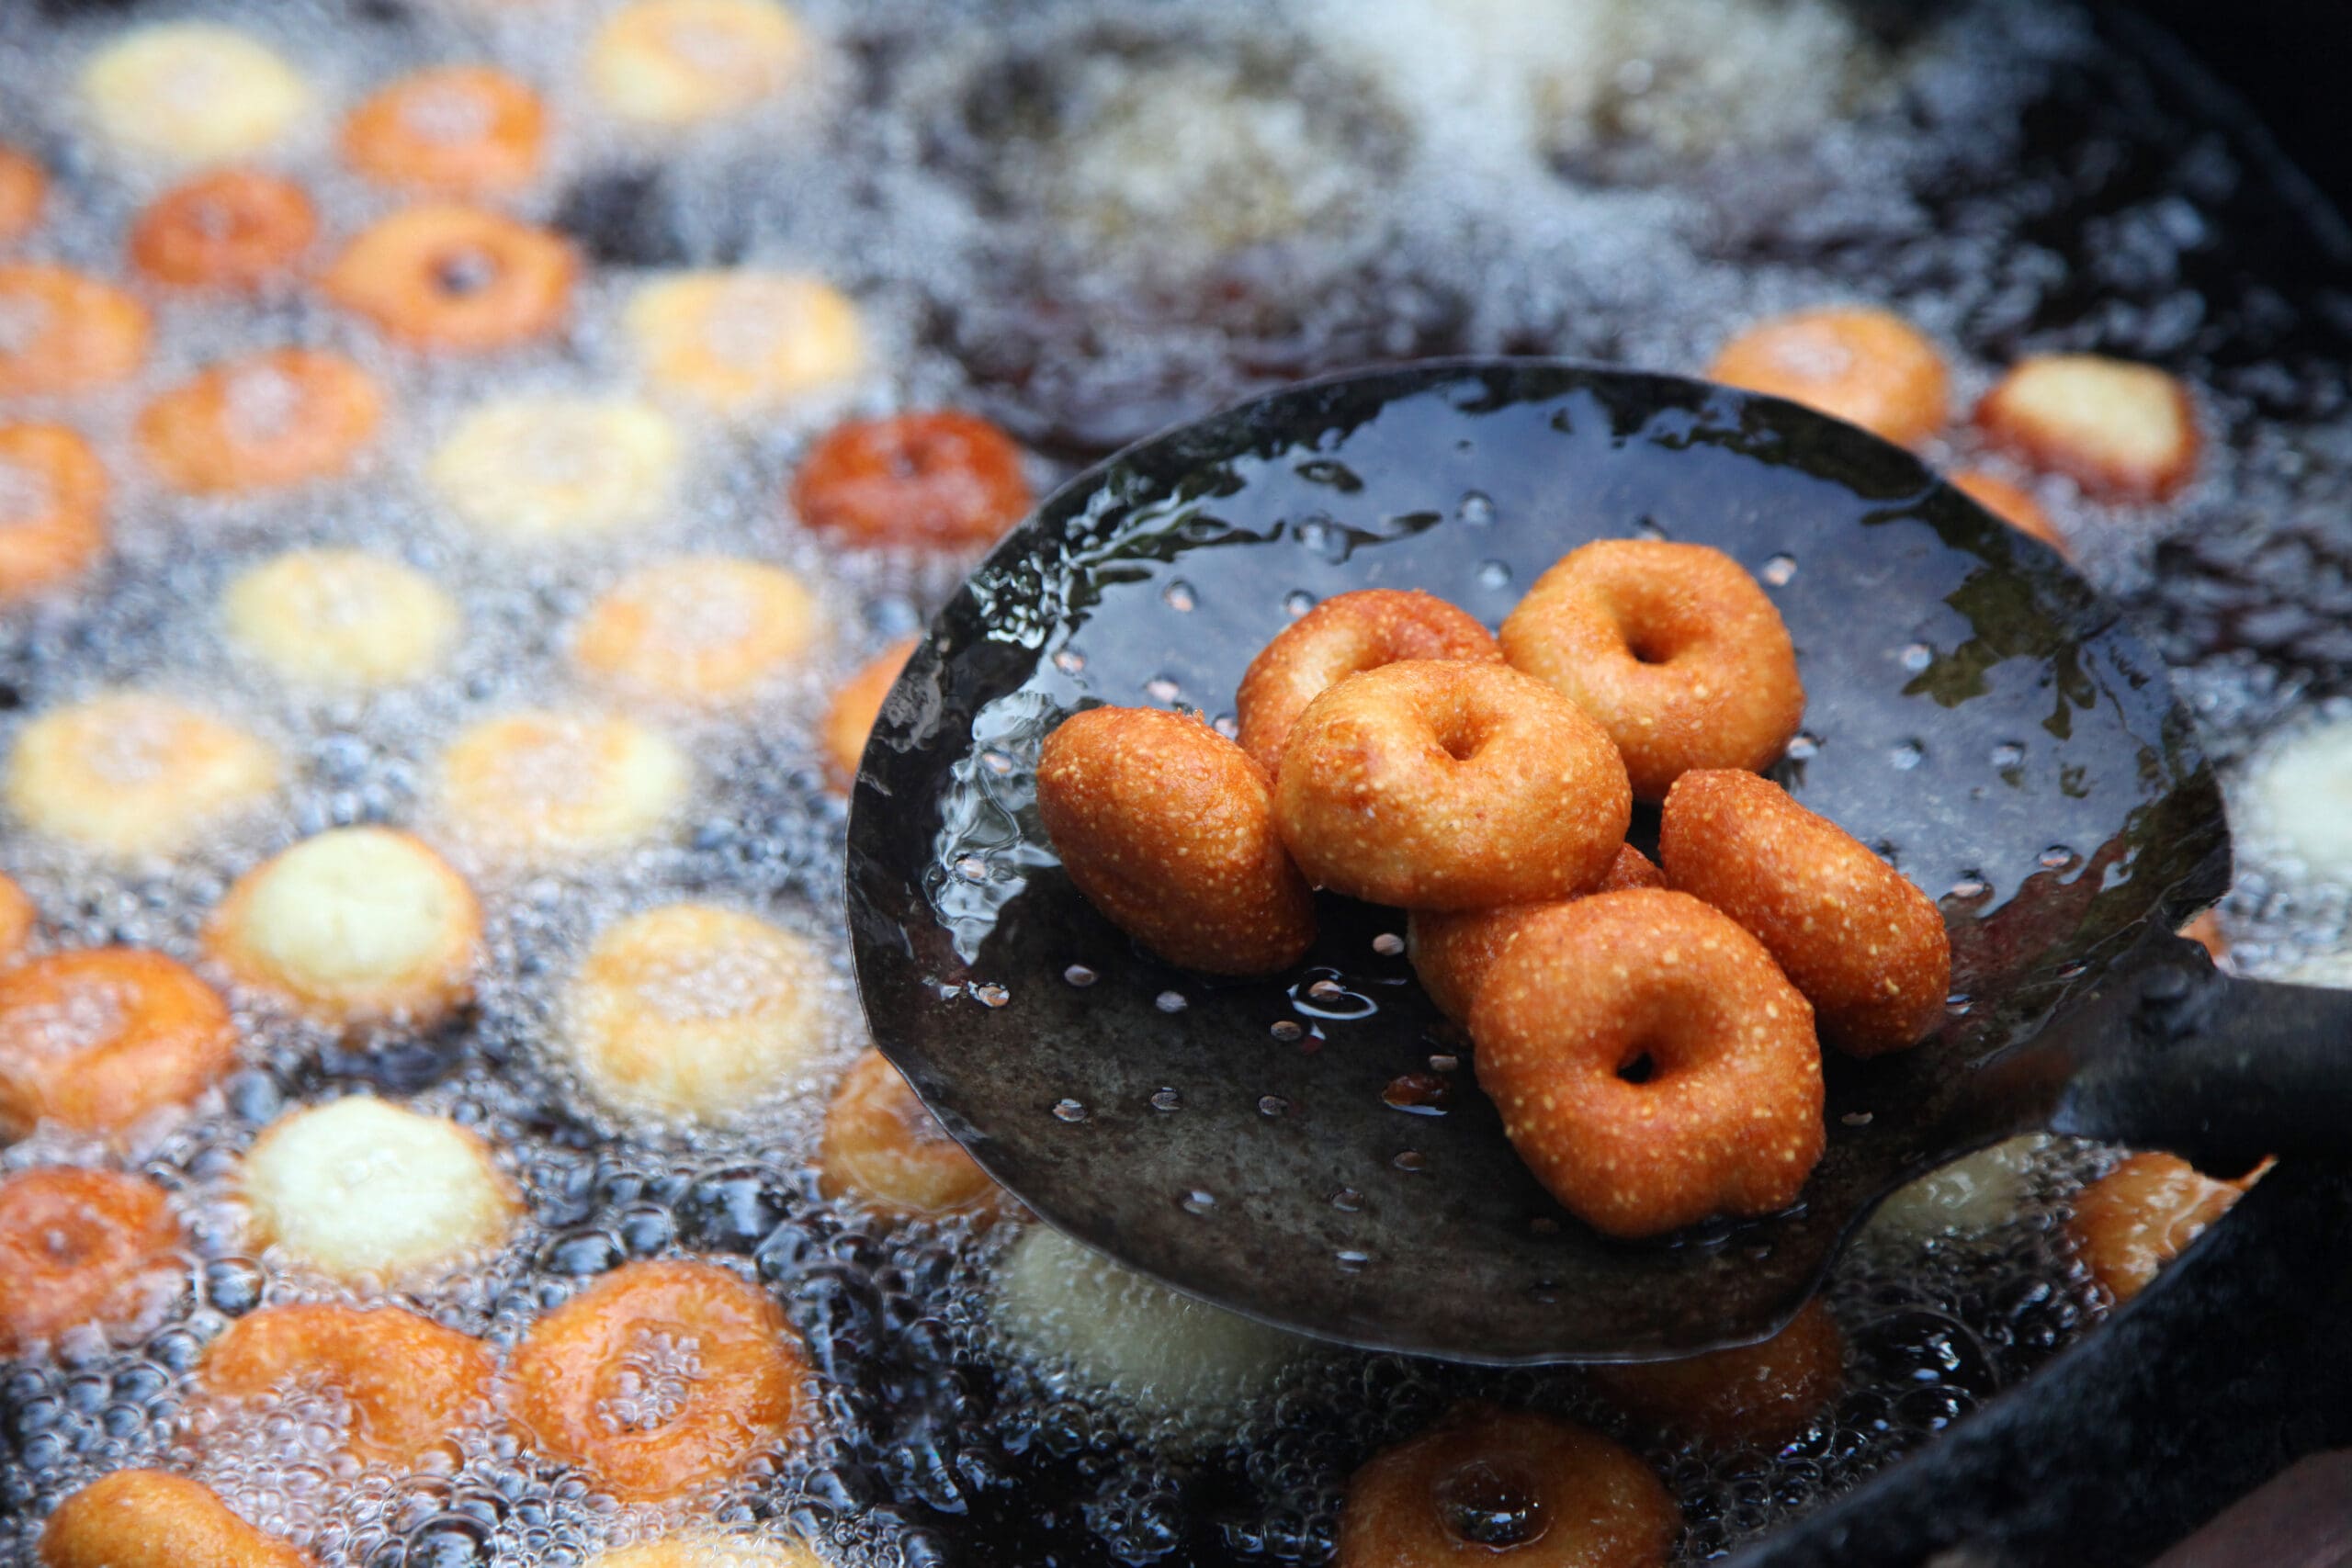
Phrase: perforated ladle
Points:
(1312, 1149)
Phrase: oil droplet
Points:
(1802, 748)
(1348, 1201)
(988, 994)
(1297, 602)
(972, 868)
(1388, 945)
(1079, 974)
(1324, 997)
(1162, 689)
(996, 762)
(1545, 1292)
(1918, 656)
(1475, 507)
(1419, 1094)
(1196, 1202)
(1970, 889)
(1227, 725)
(1170, 1001)
(1411, 1161)
(1856, 1119)
(1907, 756)
(1779, 571)
(1179, 595)
(1069, 1111)
(1350, 1259)
(1494, 574)
(1272, 1105)
(2007, 754)
(1068, 660)
(1444, 1062)
(1958, 1004)
(1491, 1503)
(2057, 857)
(1166, 1098)
(2074, 969)
(1284, 1028)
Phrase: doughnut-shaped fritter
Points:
(409, 1382)
(2140, 1216)
(1169, 828)
(1652, 1064)
(1757, 1395)
(1672, 648)
(1866, 367)
(2120, 429)
(152, 1518)
(1443, 785)
(81, 1246)
(99, 1039)
(941, 480)
(1489, 1485)
(1866, 947)
(1342, 637)
(661, 1379)
(1451, 950)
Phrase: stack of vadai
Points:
(1651, 1036)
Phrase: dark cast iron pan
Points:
(1312, 1149)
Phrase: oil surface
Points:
(1090, 222)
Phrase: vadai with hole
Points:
(2140, 1216)
(232, 230)
(1653, 1066)
(884, 1150)
(24, 191)
(1446, 784)
(457, 279)
(540, 470)
(1867, 948)
(672, 63)
(352, 927)
(152, 1518)
(696, 630)
(267, 421)
(1451, 950)
(2122, 430)
(1508, 1488)
(1866, 367)
(1672, 648)
(939, 481)
(456, 130)
(690, 1012)
(63, 332)
(543, 787)
(192, 91)
(340, 619)
(133, 775)
(1116, 1334)
(407, 1381)
(80, 1246)
(2012, 504)
(661, 1380)
(1345, 636)
(99, 1039)
(1759, 1395)
(740, 342)
(858, 703)
(1169, 829)
(367, 1191)
(53, 509)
